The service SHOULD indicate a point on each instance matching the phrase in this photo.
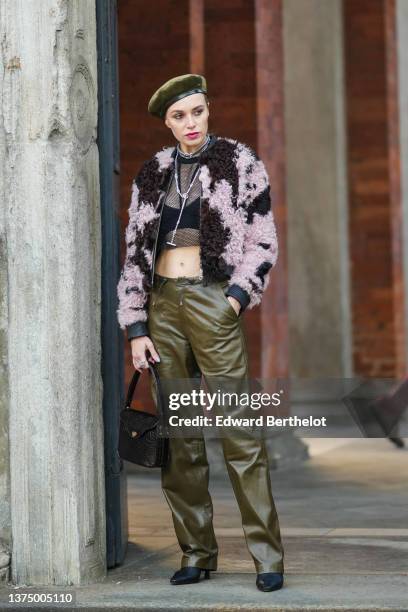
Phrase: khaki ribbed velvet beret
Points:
(173, 90)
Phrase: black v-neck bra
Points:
(187, 233)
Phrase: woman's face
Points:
(188, 120)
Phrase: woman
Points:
(200, 242)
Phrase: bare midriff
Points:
(181, 261)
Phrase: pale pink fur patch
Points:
(262, 229)
(134, 201)
(148, 255)
(234, 219)
(131, 277)
(145, 214)
(164, 157)
(257, 177)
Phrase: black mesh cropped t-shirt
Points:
(187, 233)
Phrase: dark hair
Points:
(165, 112)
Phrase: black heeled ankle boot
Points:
(189, 575)
(269, 581)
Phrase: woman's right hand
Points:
(139, 346)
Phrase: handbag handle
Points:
(159, 389)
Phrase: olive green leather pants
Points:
(196, 331)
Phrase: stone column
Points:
(318, 253)
(50, 190)
(5, 517)
(402, 72)
(284, 447)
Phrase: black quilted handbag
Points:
(139, 440)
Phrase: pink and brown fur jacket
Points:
(238, 239)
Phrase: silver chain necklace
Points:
(184, 196)
(194, 153)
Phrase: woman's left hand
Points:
(234, 303)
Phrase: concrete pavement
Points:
(344, 521)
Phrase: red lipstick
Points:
(192, 135)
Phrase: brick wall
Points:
(153, 40)
(374, 198)
(155, 45)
